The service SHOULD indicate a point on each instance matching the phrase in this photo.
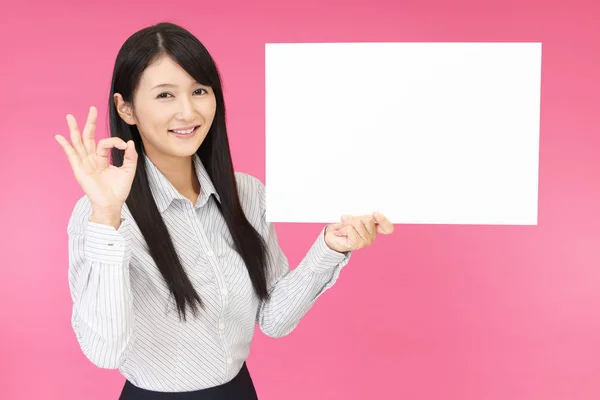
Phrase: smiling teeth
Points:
(184, 132)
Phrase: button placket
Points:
(222, 287)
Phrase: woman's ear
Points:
(124, 109)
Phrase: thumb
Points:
(343, 232)
(130, 157)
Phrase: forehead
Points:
(165, 71)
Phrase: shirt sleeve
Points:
(99, 258)
(293, 292)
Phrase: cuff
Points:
(321, 258)
(106, 244)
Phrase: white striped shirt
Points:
(124, 316)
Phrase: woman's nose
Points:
(186, 110)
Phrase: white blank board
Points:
(426, 133)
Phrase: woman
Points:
(171, 260)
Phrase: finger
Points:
(370, 225)
(105, 145)
(362, 230)
(130, 158)
(72, 155)
(384, 226)
(359, 226)
(343, 235)
(335, 227)
(352, 238)
(76, 137)
(343, 231)
(88, 131)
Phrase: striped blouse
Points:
(124, 317)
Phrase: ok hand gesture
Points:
(106, 186)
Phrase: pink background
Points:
(434, 312)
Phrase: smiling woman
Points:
(172, 262)
(168, 99)
(164, 79)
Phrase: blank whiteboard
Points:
(425, 133)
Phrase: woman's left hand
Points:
(356, 232)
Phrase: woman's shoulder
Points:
(249, 184)
(251, 190)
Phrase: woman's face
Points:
(172, 111)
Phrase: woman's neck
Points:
(181, 173)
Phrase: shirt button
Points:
(210, 253)
(223, 291)
(221, 326)
(229, 360)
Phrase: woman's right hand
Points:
(105, 185)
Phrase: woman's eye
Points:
(166, 95)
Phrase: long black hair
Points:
(136, 54)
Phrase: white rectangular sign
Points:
(426, 133)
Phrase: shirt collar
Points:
(164, 192)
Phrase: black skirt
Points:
(239, 388)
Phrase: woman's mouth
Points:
(184, 132)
